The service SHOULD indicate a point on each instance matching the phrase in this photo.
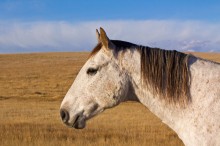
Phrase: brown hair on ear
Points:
(103, 38)
(106, 42)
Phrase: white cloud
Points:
(67, 36)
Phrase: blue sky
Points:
(87, 10)
(69, 25)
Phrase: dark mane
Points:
(119, 44)
(164, 72)
(123, 44)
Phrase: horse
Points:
(181, 89)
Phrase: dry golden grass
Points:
(31, 89)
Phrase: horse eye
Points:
(92, 71)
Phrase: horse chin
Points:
(80, 123)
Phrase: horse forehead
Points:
(100, 57)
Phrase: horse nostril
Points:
(64, 115)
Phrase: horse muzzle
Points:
(78, 122)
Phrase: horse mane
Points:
(164, 72)
(119, 46)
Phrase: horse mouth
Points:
(79, 123)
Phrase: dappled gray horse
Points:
(182, 90)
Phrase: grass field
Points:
(31, 89)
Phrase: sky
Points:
(69, 25)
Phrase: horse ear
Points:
(105, 40)
(98, 36)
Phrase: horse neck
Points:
(187, 122)
(132, 63)
(169, 114)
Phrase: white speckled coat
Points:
(107, 79)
